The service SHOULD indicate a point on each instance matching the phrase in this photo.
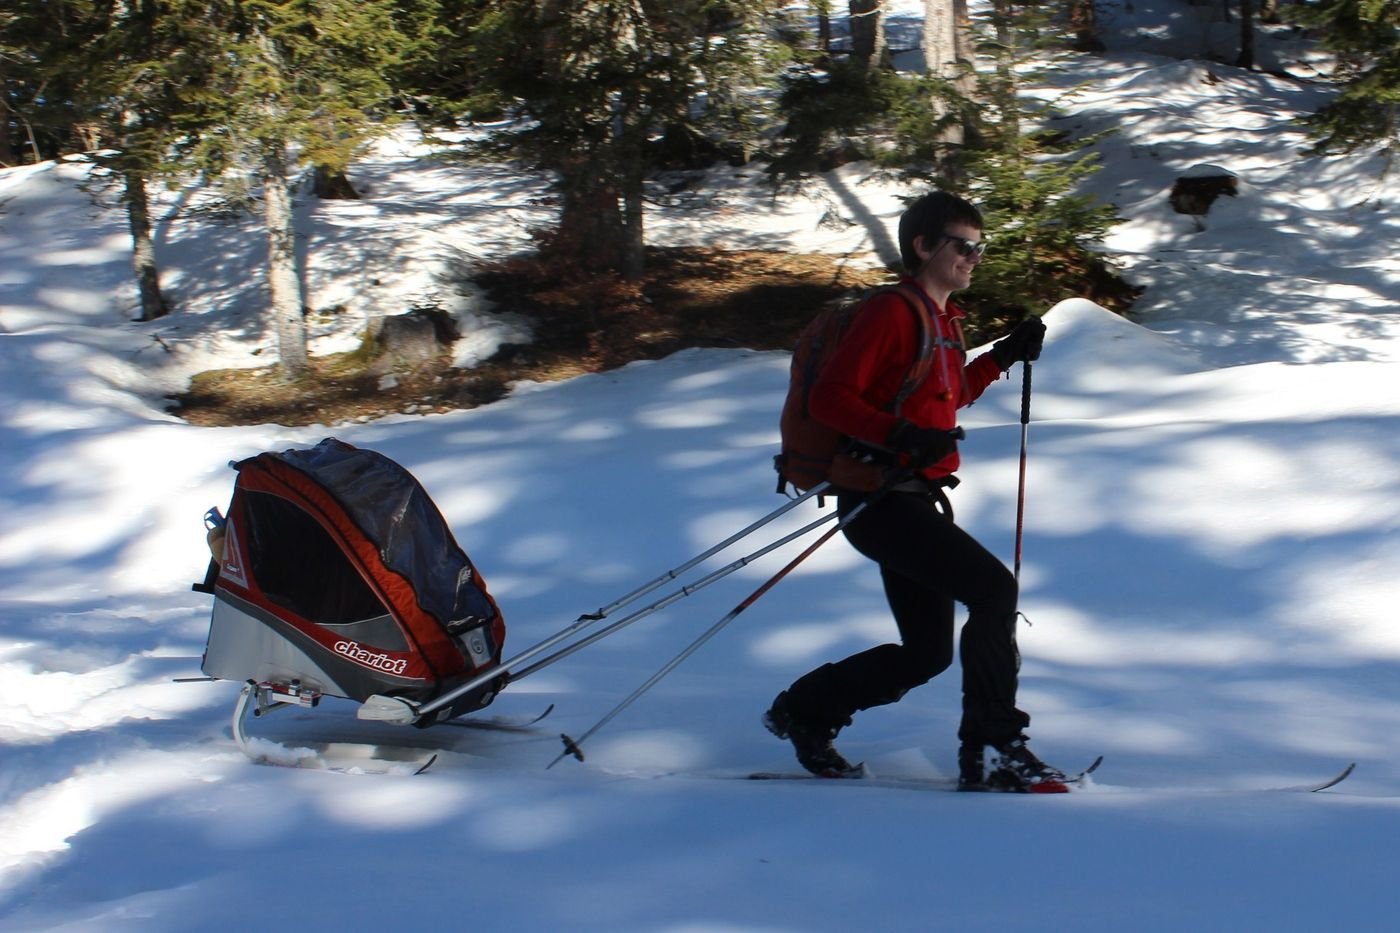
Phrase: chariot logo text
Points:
(379, 661)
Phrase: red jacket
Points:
(857, 386)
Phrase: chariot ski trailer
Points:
(334, 574)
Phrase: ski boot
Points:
(812, 743)
(1009, 767)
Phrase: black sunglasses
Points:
(966, 247)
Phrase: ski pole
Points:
(575, 747)
(701, 558)
(1021, 485)
(679, 594)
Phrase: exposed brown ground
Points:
(689, 298)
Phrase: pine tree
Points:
(12, 56)
(838, 109)
(41, 48)
(983, 143)
(307, 75)
(1040, 232)
(136, 76)
(104, 79)
(598, 80)
(1365, 35)
(437, 75)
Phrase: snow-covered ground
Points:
(1211, 570)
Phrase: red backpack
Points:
(811, 451)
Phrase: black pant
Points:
(926, 562)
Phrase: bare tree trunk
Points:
(1002, 14)
(8, 153)
(87, 136)
(629, 142)
(963, 50)
(1084, 20)
(867, 33)
(938, 38)
(333, 185)
(1246, 59)
(283, 283)
(940, 41)
(634, 239)
(143, 250)
(591, 230)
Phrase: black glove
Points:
(1023, 343)
(922, 446)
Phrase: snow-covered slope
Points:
(1211, 557)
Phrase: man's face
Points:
(949, 259)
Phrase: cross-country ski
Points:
(1077, 782)
(863, 775)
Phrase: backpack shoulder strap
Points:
(928, 341)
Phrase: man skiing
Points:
(927, 563)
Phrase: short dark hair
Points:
(929, 216)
